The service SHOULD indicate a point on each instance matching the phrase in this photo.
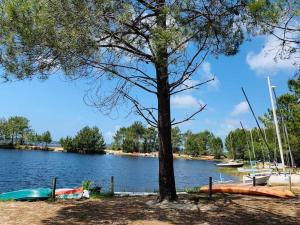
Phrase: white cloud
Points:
(269, 60)
(240, 108)
(227, 125)
(207, 74)
(185, 101)
(230, 124)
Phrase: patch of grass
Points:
(192, 190)
(230, 171)
(101, 195)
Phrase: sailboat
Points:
(230, 164)
(283, 178)
(261, 177)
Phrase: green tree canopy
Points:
(89, 140)
(203, 143)
(46, 138)
(176, 137)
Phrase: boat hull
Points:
(284, 180)
(230, 164)
(27, 195)
(259, 180)
(248, 190)
(69, 193)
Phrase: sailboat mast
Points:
(276, 124)
(252, 144)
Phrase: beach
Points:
(221, 209)
(155, 154)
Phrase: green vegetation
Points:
(87, 140)
(230, 171)
(203, 143)
(138, 138)
(101, 195)
(17, 131)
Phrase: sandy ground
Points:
(222, 209)
(155, 154)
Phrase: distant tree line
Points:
(243, 145)
(138, 138)
(87, 140)
(16, 130)
(203, 143)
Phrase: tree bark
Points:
(167, 189)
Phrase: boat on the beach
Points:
(260, 179)
(284, 180)
(27, 194)
(248, 190)
(255, 170)
(230, 164)
(69, 193)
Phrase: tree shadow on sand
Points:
(126, 210)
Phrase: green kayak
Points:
(27, 194)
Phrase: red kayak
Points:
(68, 191)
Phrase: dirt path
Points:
(136, 210)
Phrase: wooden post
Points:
(112, 184)
(254, 181)
(210, 187)
(53, 188)
(290, 182)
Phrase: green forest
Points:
(16, 130)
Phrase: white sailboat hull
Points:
(259, 179)
(249, 170)
(283, 180)
(230, 164)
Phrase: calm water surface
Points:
(32, 169)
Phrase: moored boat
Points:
(27, 194)
(230, 164)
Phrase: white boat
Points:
(230, 164)
(284, 180)
(255, 170)
(260, 179)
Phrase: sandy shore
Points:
(221, 209)
(155, 154)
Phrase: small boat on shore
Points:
(284, 180)
(69, 193)
(27, 195)
(248, 190)
(230, 164)
(255, 170)
(260, 179)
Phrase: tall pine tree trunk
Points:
(167, 189)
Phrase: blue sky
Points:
(57, 105)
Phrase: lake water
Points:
(33, 169)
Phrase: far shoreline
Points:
(111, 152)
(155, 155)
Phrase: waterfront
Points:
(32, 169)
